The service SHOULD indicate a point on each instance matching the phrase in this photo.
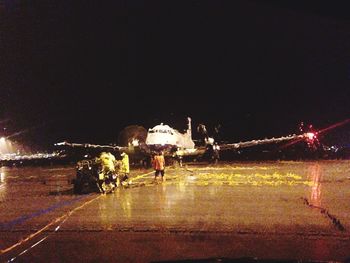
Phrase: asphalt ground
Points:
(260, 211)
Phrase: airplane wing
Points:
(135, 153)
(200, 150)
(95, 146)
(231, 146)
(311, 137)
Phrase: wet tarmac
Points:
(263, 211)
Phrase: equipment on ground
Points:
(90, 178)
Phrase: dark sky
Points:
(83, 70)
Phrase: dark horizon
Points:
(83, 71)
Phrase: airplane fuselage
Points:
(163, 137)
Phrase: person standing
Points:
(107, 176)
(159, 165)
(124, 168)
(216, 153)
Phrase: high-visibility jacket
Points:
(159, 162)
(124, 168)
(107, 161)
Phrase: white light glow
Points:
(310, 135)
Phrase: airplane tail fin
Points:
(189, 128)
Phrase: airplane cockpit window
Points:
(169, 131)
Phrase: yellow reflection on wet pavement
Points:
(233, 176)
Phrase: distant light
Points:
(310, 135)
(135, 142)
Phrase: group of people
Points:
(114, 173)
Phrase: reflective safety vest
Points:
(107, 160)
(159, 162)
(124, 168)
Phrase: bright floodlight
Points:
(310, 135)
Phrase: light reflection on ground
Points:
(280, 201)
(234, 176)
(315, 174)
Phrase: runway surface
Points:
(239, 210)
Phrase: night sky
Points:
(83, 70)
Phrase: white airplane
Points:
(159, 138)
(173, 143)
(163, 137)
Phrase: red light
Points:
(310, 135)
